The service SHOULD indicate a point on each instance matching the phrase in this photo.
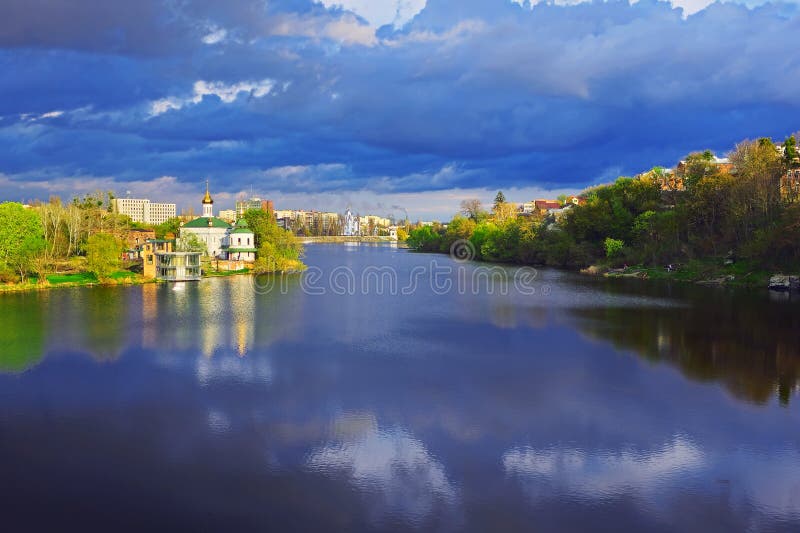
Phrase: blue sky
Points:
(379, 103)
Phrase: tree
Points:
(505, 212)
(613, 247)
(790, 156)
(473, 209)
(21, 237)
(169, 226)
(103, 254)
(191, 243)
(499, 199)
(278, 249)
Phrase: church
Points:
(209, 229)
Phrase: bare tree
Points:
(472, 208)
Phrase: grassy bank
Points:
(704, 272)
(75, 279)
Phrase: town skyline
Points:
(420, 104)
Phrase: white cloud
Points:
(380, 12)
(215, 35)
(31, 117)
(346, 29)
(224, 91)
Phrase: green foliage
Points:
(191, 243)
(103, 254)
(613, 247)
(21, 238)
(170, 227)
(790, 156)
(278, 249)
(425, 239)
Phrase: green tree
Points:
(170, 226)
(613, 247)
(499, 199)
(103, 254)
(191, 243)
(790, 156)
(21, 237)
(278, 249)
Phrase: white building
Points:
(143, 211)
(241, 243)
(351, 225)
(228, 215)
(209, 229)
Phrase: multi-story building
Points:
(143, 211)
(253, 203)
(309, 222)
(228, 215)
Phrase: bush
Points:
(613, 247)
(103, 254)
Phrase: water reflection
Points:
(477, 412)
(392, 468)
(745, 341)
(606, 474)
(22, 332)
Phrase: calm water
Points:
(589, 405)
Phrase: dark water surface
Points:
(587, 406)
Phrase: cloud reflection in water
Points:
(389, 465)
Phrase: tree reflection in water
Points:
(744, 340)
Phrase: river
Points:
(388, 390)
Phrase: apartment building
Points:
(143, 211)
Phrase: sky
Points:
(384, 105)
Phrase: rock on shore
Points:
(780, 282)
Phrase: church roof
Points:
(207, 198)
(241, 227)
(203, 222)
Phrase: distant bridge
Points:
(343, 239)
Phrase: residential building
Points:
(253, 203)
(210, 230)
(228, 215)
(143, 211)
(309, 222)
(543, 206)
(723, 164)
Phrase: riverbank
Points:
(700, 272)
(80, 279)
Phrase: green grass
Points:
(213, 273)
(80, 278)
(123, 274)
(745, 273)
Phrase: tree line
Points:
(703, 210)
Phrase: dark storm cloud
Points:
(470, 93)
